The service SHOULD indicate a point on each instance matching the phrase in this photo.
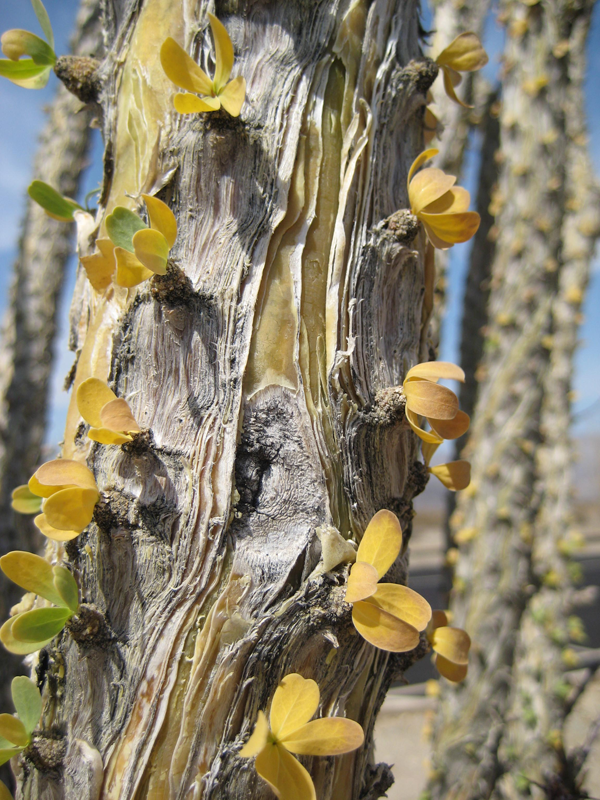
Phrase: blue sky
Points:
(23, 118)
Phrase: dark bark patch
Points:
(79, 74)
(46, 752)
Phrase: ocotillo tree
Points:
(263, 368)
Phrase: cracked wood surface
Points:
(260, 364)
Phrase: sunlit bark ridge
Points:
(262, 363)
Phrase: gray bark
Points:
(516, 456)
(30, 325)
(259, 363)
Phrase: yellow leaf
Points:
(455, 475)
(161, 218)
(451, 428)
(435, 370)
(438, 619)
(453, 228)
(452, 643)
(4, 793)
(428, 186)
(430, 125)
(116, 416)
(59, 474)
(71, 509)
(24, 501)
(295, 701)
(233, 95)
(14, 645)
(382, 629)
(454, 201)
(258, 740)
(465, 53)
(403, 603)
(152, 250)
(223, 53)
(284, 774)
(420, 160)
(32, 573)
(362, 582)
(92, 394)
(449, 84)
(190, 104)
(54, 533)
(100, 266)
(427, 436)
(450, 671)
(13, 730)
(183, 70)
(330, 736)
(381, 542)
(130, 271)
(430, 400)
(107, 436)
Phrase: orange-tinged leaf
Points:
(427, 186)
(223, 53)
(427, 436)
(130, 271)
(430, 400)
(92, 395)
(100, 266)
(107, 436)
(381, 542)
(454, 228)
(449, 84)
(191, 104)
(434, 370)
(295, 701)
(161, 218)
(152, 250)
(382, 630)
(420, 160)
(455, 475)
(284, 774)
(24, 501)
(428, 450)
(14, 645)
(362, 582)
(436, 241)
(71, 509)
(258, 740)
(233, 95)
(430, 125)
(183, 70)
(403, 603)
(53, 533)
(451, 428)
(438, 619)
(454, 201)
(465, 53)
(64, 472)
(32, 573)
(330, 736)
(13, 730)
(452, 643)
(450, 671)
(117, 416)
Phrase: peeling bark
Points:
(29, 327)
(518, 447)
(260, 363)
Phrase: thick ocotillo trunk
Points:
(260, 363)
(29, 327)
(496, 519)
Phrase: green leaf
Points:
(53, 203)
(44, 21)
(25, 502)
(121, 226)
(4, 793)
(20, 70)
(28, 702)
(13, 730)
(40, 624)
(32, 573)
(67, 588)
(18, 43)
(17, 647)
(6, 755)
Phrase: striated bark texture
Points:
(29, 328)
(262, 365)
(532, 748)
(498, 518)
